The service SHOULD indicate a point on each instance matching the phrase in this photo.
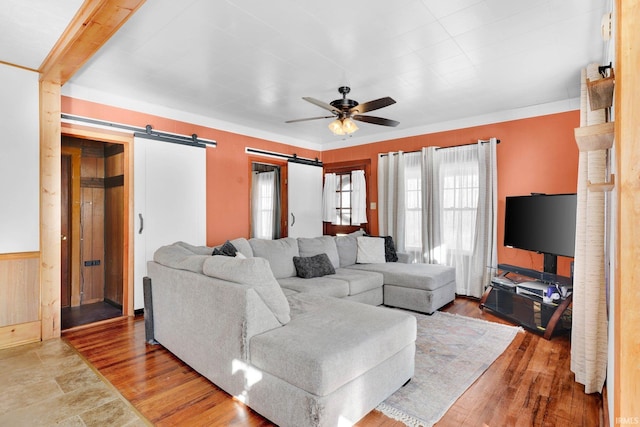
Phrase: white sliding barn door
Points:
(169, 201)
(304, 200)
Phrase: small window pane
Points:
(346, 200)
(346, 182)
(346, 217)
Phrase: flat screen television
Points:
(544, 223)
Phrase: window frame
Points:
(343, 168)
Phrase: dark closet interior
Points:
(92, 215)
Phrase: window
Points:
(413, 204)
(343, 198)
(460, 186)
(346, 211)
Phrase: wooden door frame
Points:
(348, 166)
(105, 136)
(74, 236)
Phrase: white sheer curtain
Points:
(440, 205)
(263, 198)
(358, 198)
(468, 188)
(329, 198)
(391, 203)
(413, 207)
(459, 192)
(432, 241)
(486, 244)
(589, 317)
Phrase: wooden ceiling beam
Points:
(94, 23)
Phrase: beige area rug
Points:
(49, 383)
(451, 353)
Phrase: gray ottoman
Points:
(418, 287)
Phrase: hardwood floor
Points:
(530, 384)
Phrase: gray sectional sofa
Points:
(299, 351)
(418, 287)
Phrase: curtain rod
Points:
(440, 148)
(290, 158)
(145, 132)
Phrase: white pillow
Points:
(370, 250)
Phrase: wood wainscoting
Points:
(19, 298)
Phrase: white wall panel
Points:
(304, 200)
(19, 161)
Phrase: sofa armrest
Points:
(196, 313)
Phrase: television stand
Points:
(525, 306)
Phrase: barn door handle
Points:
(293, 219)
(141, 223)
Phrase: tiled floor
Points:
(48, 383)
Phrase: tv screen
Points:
(541, 223)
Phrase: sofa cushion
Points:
(227, 249)
(181, 257)
(370, 250)
(310, 246)
(308, 267)
(359, 280)
(303, 353)
(254, 272)
(279, 253)
(325, 285)
(243, 246)
(418, 276)
(347, 249)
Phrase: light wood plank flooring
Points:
(530, 384)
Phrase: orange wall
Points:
(535, 155)
(228, 166)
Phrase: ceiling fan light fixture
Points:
(344, 109)
(336, 127)
(349, 126)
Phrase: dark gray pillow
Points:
(390, 254)
(227, 249)
(313, 266)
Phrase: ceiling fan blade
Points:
(322, 104)
(309, 118)
(376, 120)
(372, 105)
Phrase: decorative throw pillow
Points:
(313, 266)
(227, 249)
(370, 250)
(390, 254)
(310, 246)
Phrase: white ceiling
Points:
(244, 65)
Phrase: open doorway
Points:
(92, 240)
(268, 200)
